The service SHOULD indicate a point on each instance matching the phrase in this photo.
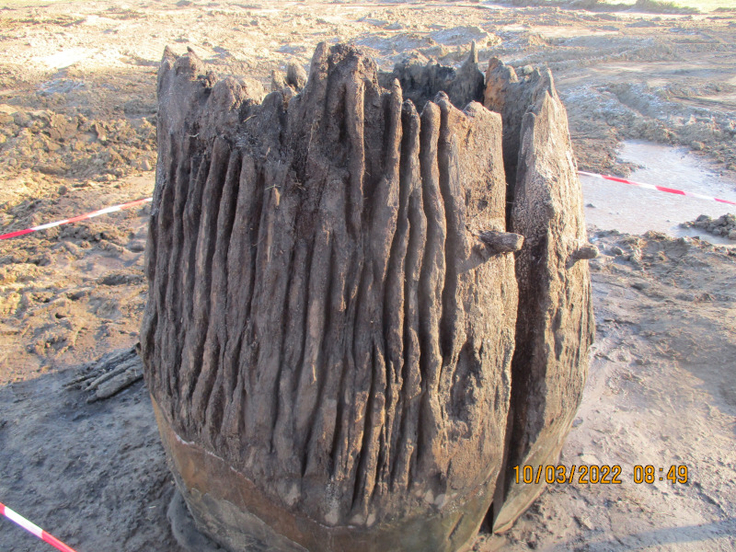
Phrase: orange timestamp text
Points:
(598, 474)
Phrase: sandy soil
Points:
(77, 133)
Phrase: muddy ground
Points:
(77, 133)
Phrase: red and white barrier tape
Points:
(86, 216)
(659, 188)
(15, 517)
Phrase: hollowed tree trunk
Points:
(333, 301)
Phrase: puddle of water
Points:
(637, 210)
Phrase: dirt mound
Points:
(74, 146)
(722, 226)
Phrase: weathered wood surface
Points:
(333, 304)
(555, 324)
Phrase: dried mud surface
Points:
(77, 133)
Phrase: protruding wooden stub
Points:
(502, 242)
